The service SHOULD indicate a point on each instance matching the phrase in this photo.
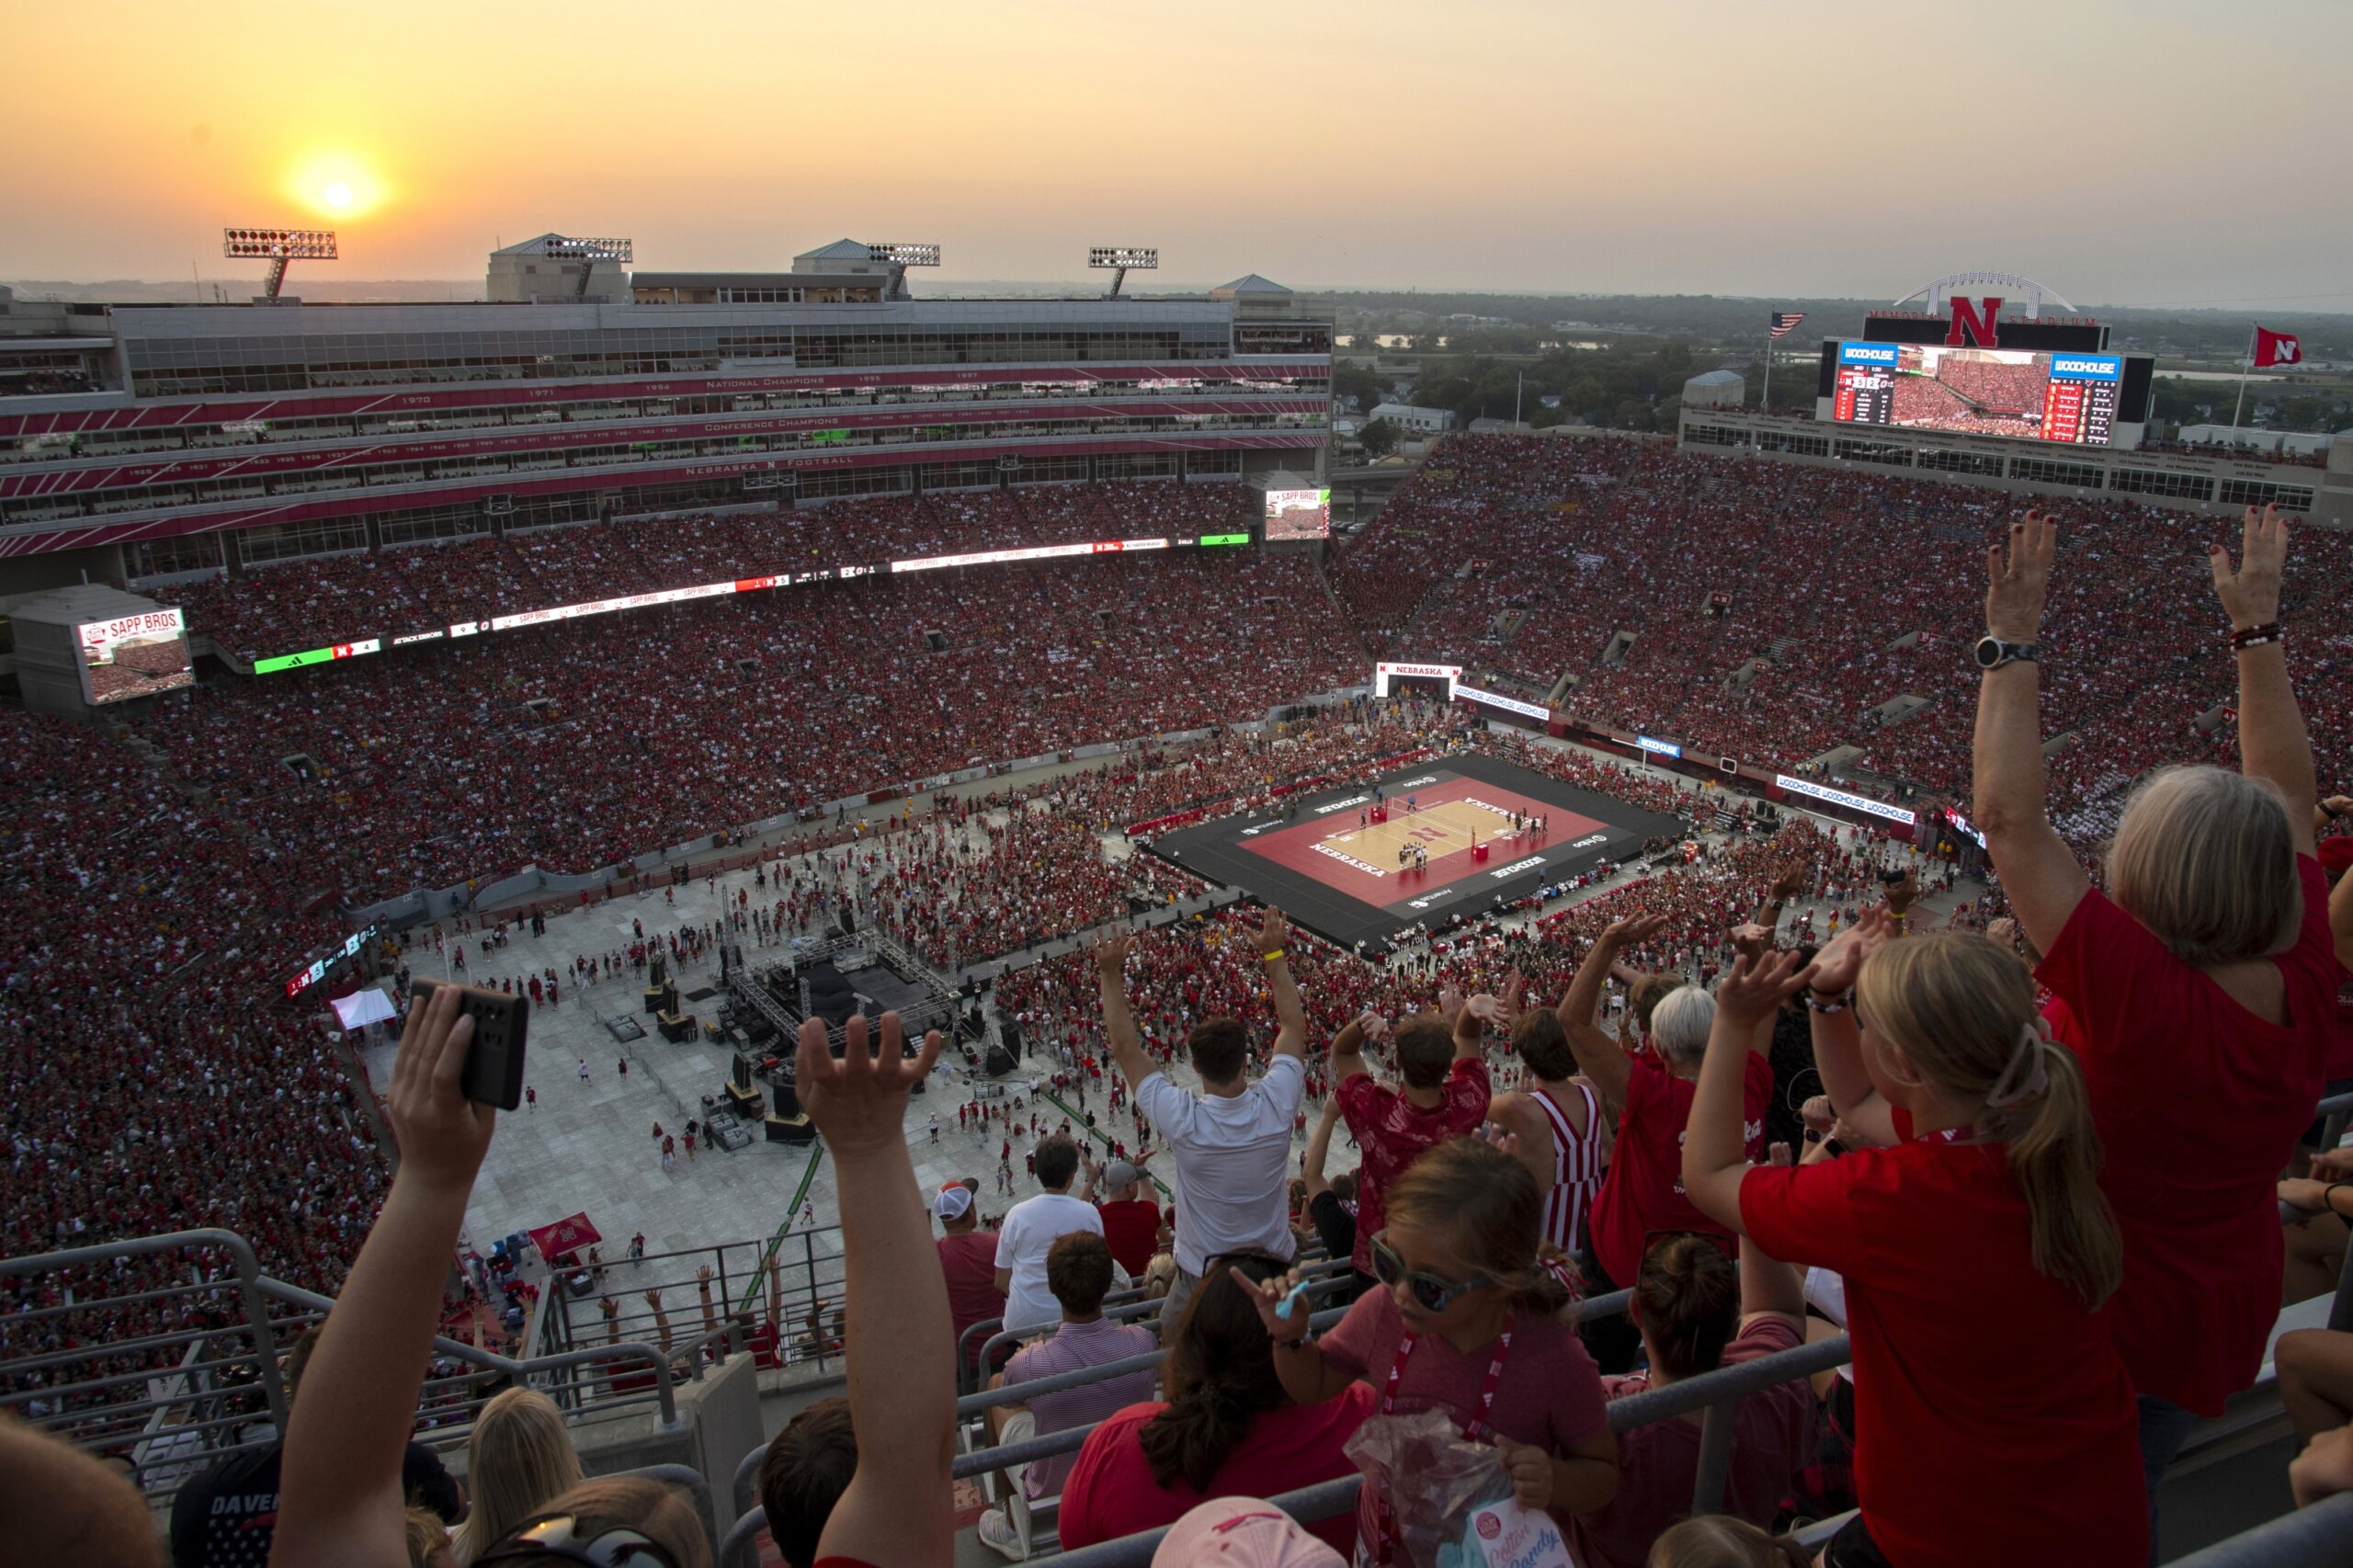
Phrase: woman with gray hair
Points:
(2199, 988)
(1642, 1192)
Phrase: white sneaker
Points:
(999, 1533)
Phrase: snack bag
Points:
(1448, 1499)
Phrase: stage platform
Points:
(1334, 870)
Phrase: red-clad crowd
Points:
(1774, 612)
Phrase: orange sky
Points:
(2159, 151)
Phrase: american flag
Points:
(1785, 321)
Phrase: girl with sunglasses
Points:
(1975, 1245)
(1470, 1319)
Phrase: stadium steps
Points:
(1778, 649)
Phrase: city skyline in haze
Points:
(2163, 153)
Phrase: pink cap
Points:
(1242, 1532)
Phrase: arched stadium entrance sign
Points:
(1966, 309)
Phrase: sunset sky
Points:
(2150, 152)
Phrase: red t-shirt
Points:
(2197, 1102)
(1111, 1491)
(1977, 1380)
(1550, 1393)
(1131, 1228)
(1393, 1131)
(1773, 1439)
(969, 1262)
(1643, 1192)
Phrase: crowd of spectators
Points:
(314, 602)
(142, 1038)
(745, 708)
(1777, 612)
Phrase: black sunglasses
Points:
(558, 1540)
(1432, 1292)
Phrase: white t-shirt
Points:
(1233, 1162)
(1031, 1228)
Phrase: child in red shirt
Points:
(1468, 1321)
(1975, 1244)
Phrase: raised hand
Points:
(1751, 940)
(1514, 989)
(442, 1134)
(1274, 932)
(1836, 967)
(2251, 594)
(1752, 991)
(1632, 929)
(1792, 881)
(1110, 954)
(1900, 895)
(859, 1103)
(2019, 578)
(1488, 1009)
(1373, 1026)
(1450, 1003)
(1267, 1297)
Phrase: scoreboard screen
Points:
(2022, 394)
(1298, 514)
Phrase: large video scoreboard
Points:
(2028, 394)
(1865, 391)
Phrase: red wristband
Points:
(2256, 636)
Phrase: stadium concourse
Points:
(166, 874)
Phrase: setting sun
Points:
(336, 183)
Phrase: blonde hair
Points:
(519, 1456)
(2206, 859)
(1717, 1541)
(1961, 1010)
(427, 1539)
(1486, 1203)
(632, 1501)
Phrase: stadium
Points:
(688, 664)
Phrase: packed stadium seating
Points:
(1840, 600)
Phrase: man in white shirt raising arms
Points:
(1031, 1228)
(1232, 1141)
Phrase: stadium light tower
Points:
(902, 256)
(1118, 259)
(278, 247)
(590, 252)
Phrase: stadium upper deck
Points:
(184, 433)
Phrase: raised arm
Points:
(1290, 1018)
(1837, 1038)
(1715, 1153)
(2272, 743)
(1471, 1026)
(1119, 1023)
(1319, 1149)
(1600, 1058)
(339, 1501)
(901, 1348)
(1769, 1288)
(2007, 785)
(1347, 1049)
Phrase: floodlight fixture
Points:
(278, 247)
(902, 254)
(1119, 260)
(591, 251)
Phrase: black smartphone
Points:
(493, 1074)
(1891, 878)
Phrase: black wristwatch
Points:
(1993, 652)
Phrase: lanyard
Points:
(1384, 1522)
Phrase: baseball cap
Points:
(952, 1202)
(1117, 1173)
(1242, 1532)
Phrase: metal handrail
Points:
(2317, 1537)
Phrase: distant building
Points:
(527, 271)
(1495, 427)
(1716, 389)
(1416, 420)
(2283, 443)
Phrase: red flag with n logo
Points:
(2276, 349)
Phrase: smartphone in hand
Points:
(493, 1074)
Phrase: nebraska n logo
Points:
(1974, 328)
